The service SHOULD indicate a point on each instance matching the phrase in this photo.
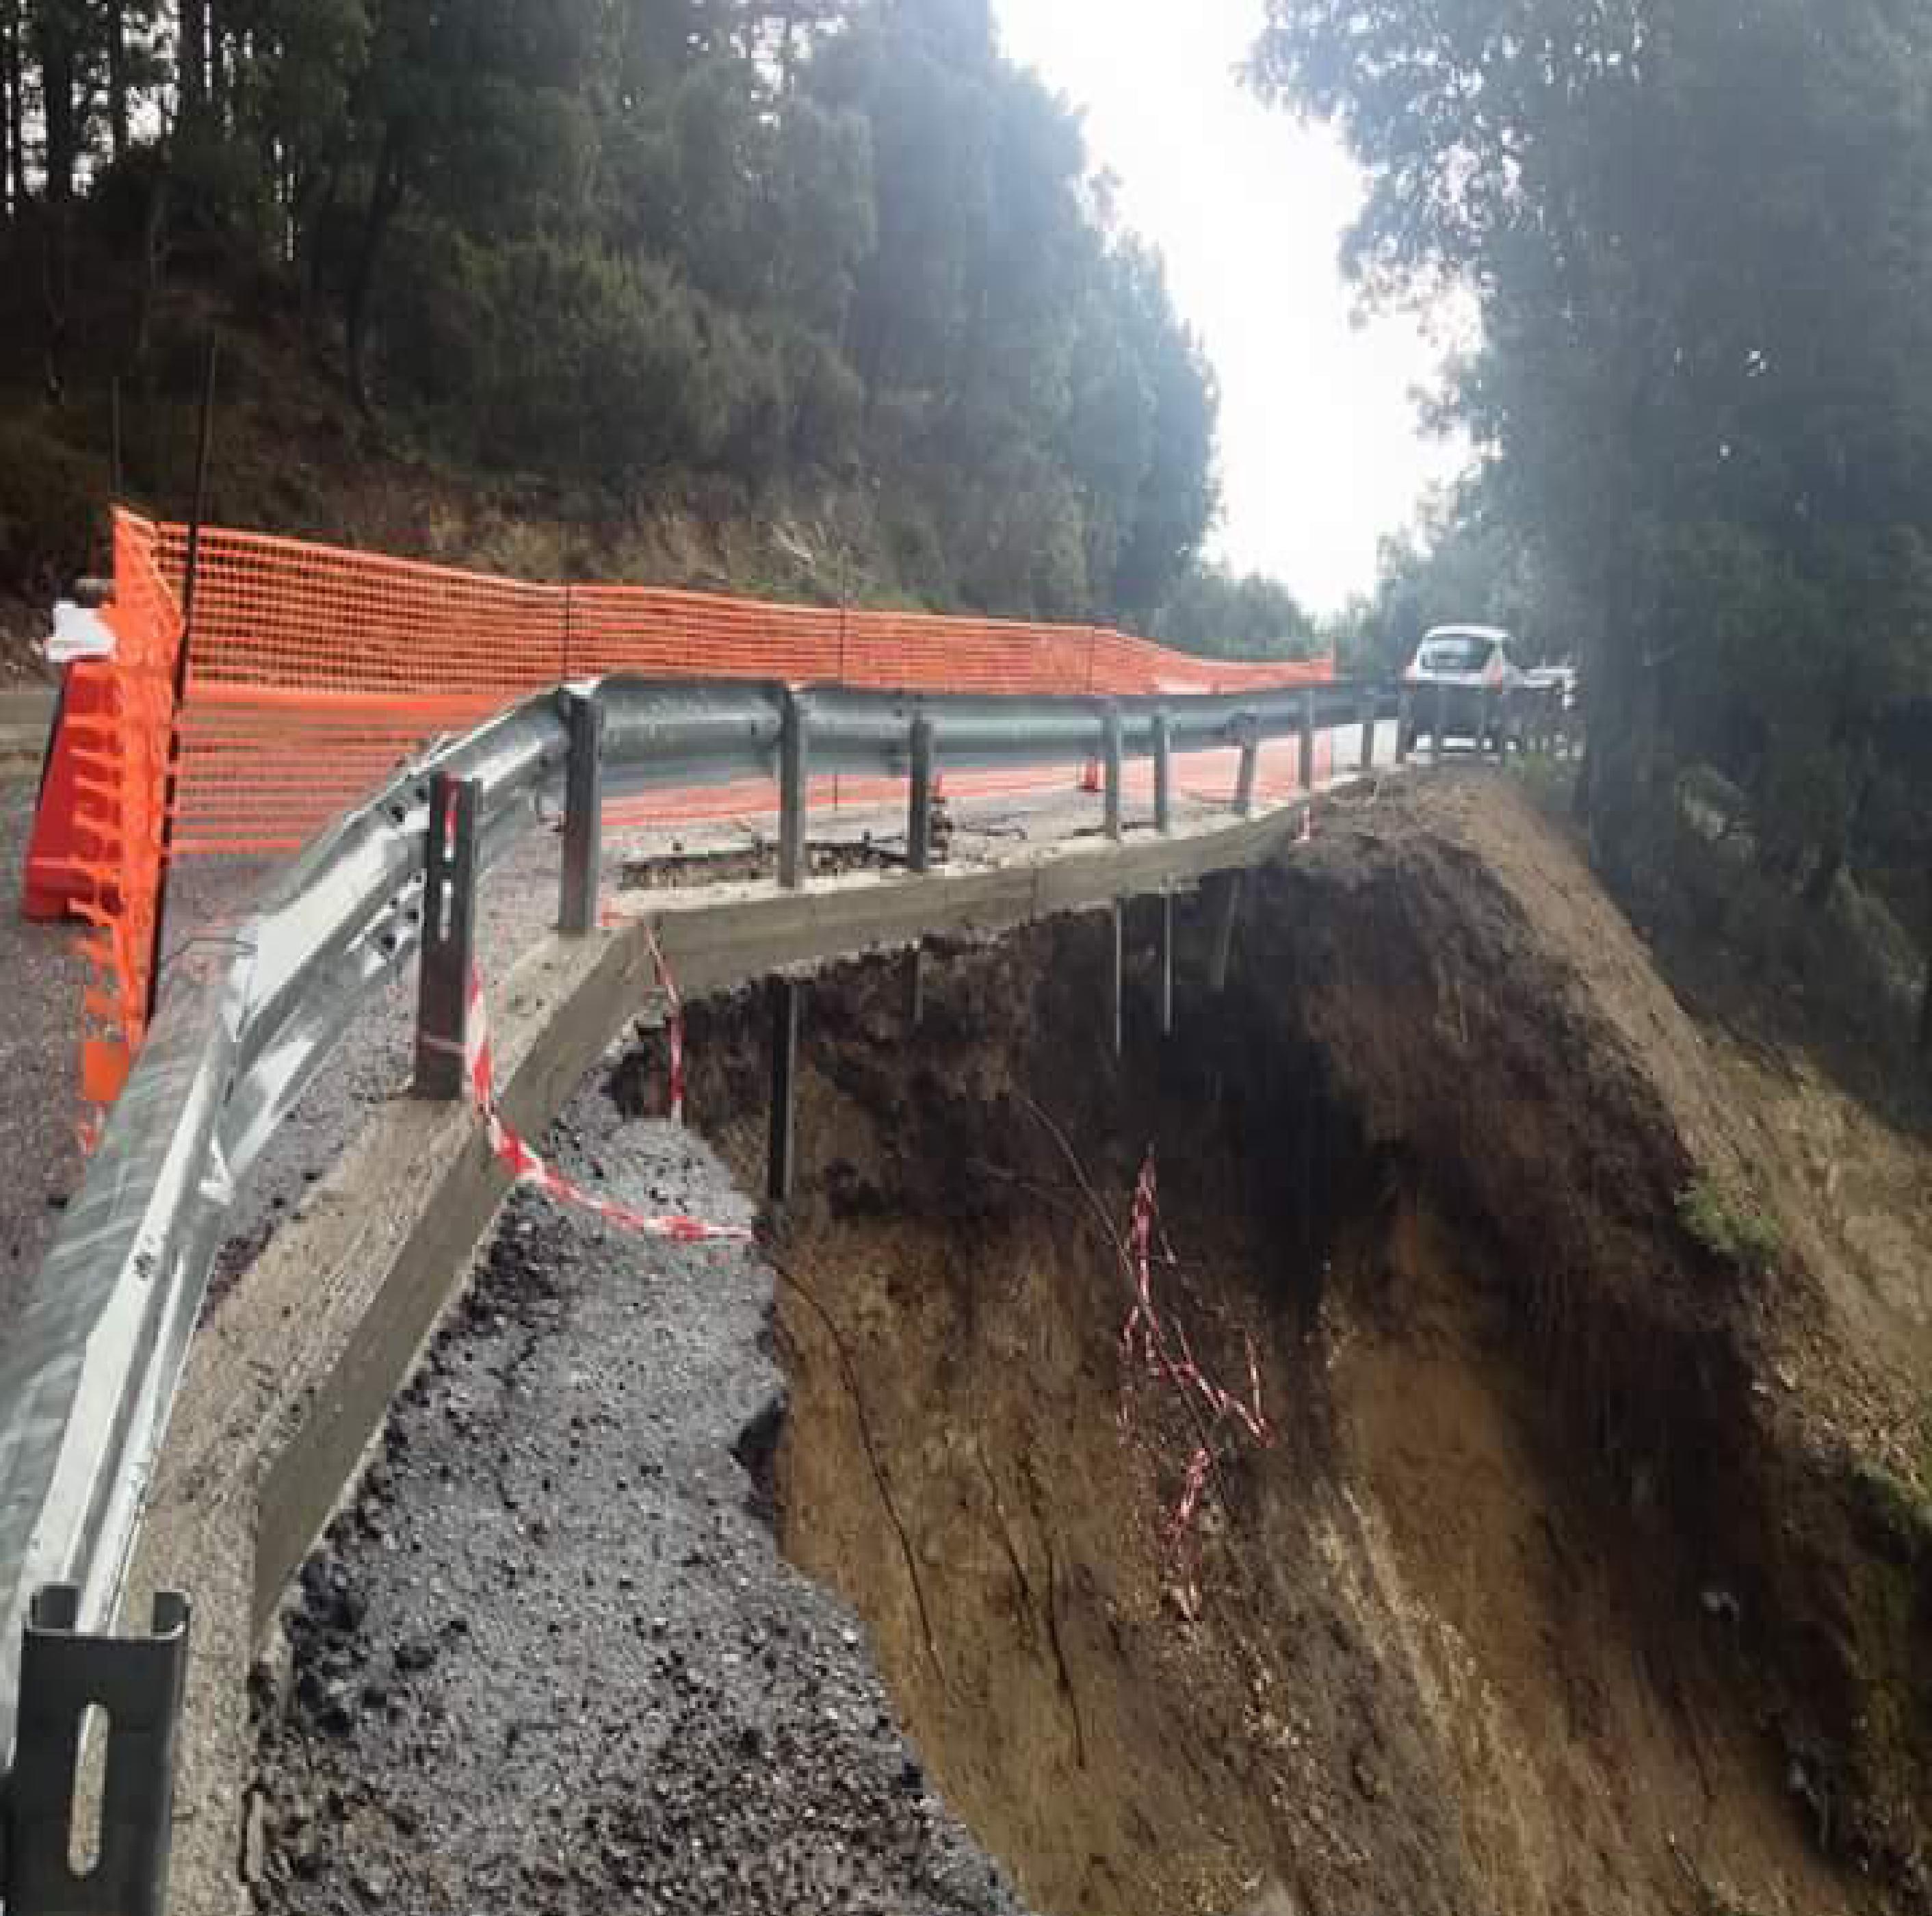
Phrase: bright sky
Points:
(1321, 453)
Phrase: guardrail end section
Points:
(86, 1813)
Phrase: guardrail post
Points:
(1248, 730)
(1306, 766)
(1163, 774)
(919, 824)
(137, 1684)
(778, 1162)
(1113, 770)
(1368, 709)
(1436, 737)
(449, 936)
(794, 769)
(583, 815)
(1493, 728)
(1405, 724)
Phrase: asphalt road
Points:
(40, 1064)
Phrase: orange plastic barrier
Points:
(119, 735)
(314, 670)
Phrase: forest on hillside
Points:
(1698, 239)
(782, 244)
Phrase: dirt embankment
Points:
(1587, 1567)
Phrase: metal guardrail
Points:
(88, 1371)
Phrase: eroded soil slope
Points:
(1581, 1567)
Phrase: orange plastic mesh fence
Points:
(314, 670)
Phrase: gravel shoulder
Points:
(40, 1064)
(551, 1654)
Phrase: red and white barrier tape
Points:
(1145, 1339)
(613, 918)
(527, 1168)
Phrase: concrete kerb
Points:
(26, 718)
(290, 1380)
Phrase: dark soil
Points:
(1562, 1585)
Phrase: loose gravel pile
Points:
(550, 1659)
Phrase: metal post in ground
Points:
(184, 648)
(1305, 766)
(1437, 736)
(1248, 730)
(449, 953)
(1366, 707)
(1167, 963)
(918, 826)
(1112, 757)
(794, 770)
(915, 986)
(583, 815)
(1117, 1012)
(1163, 774)
(783, 1000)
(130, 1690)
(1405, 722)
(1226, 905)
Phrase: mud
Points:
(1568, 1580)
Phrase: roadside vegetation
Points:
(833, 261)
(1698, 242)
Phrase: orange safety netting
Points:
(313, 671)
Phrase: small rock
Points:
(414, 1653)
(254, 1839)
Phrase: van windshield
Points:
(1455, 655)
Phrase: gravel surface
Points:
(551, 1657)
(39, 1056)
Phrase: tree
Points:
(1223, 615)
(57, 36)
(773, 241)
(13, 106)
(1700, 240)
